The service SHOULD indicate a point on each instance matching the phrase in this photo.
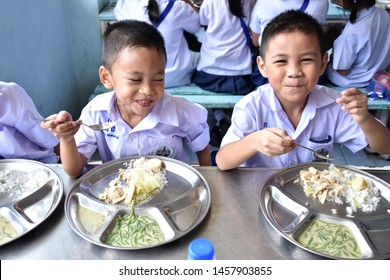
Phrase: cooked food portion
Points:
(330, 238)
(133, 230)
(18, 182)
(340, 186)
(7, 231)
(91, 220)
(142, 178)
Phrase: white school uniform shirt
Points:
(224, 48)
(265, 10)
(322, 124)
(21, 137)
(172, 123)
(363, 47)
(179, 19)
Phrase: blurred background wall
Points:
(52, 48)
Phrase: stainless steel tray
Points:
(26, 211)
(289, 211)
(178, 208)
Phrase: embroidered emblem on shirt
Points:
(164, 151)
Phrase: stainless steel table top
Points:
(234, 223)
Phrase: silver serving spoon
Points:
(98, 127)
(317, 154)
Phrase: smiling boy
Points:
(148, 121)
(292, 108)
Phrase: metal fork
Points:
(317, 154)
(98, 127)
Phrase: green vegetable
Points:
(133, 230)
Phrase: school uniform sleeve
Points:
(193, 123)
(21, 136)
(244, 119)
(318, 9)
(255, 22)
(205, 12)
(345, 51)
(88, 140)
(186, 17)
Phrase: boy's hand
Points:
(355, 103)
(274, 141)
(61, 125)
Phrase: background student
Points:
(148, 121)
(225, 61)
(265, 10)
(21, 136)
(292, 108)
(172, 19)
(363, 46)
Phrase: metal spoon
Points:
(317, 154)
(98, 127)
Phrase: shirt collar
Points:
(164, 111)
(317, 99)
(364, 13)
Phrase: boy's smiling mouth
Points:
(144, 102)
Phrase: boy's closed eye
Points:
(280, 61)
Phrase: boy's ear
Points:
(324, 63)
(262, 67)
(105, 77)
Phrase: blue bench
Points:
(210, 99)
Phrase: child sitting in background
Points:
(225, 61)
(363, 47)
(21, 136)
(292, 108)
(266, 10)
(179, 17)
(148, 121)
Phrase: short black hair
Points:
(129, 33)
(288, 21)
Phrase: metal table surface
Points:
(234, 223)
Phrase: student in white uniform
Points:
(181, 17)
(292, 108)
(225, 61)
(148, 121)
(363, 47)
(266, 10)
(21, 137)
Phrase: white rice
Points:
(18, 182)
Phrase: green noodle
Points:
(133, 230)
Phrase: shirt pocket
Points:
(168, 146)
(321, 148)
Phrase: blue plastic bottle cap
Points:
(201, 249)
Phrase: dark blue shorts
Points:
(237, 85)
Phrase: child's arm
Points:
(204, 157)
(377, 135)
(269, 141)
(64, 128)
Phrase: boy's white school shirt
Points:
(362, 47)
(224, 48)
(265, 10)
(181, 17)
(172, 123)
(322, 124)
(20, 136)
